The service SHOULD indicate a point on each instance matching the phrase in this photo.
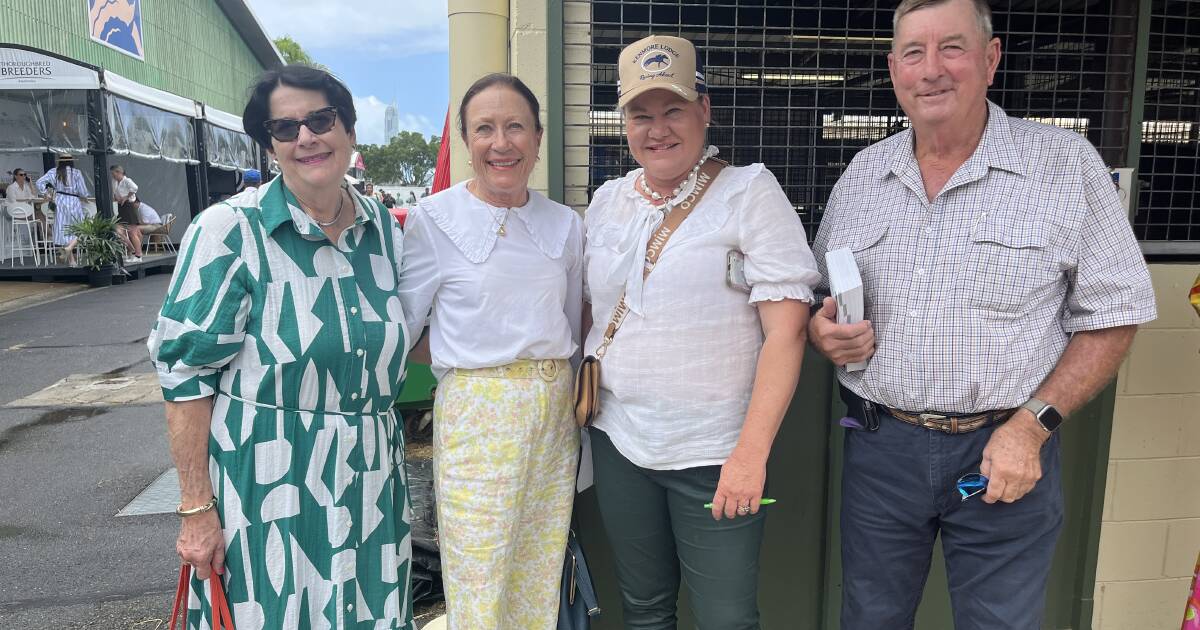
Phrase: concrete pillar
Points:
(478, 45)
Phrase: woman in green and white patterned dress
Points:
(280, 347)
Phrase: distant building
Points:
(391, 123)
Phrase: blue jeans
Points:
(898, 493)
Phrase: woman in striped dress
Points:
(70, 191)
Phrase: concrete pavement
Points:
(67, 466)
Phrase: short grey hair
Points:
(983, 13)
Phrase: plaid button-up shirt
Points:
(974, 295)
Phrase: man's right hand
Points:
(201, 543)
(842, 343)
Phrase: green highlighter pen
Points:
(762, 502)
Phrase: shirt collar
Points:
(996, 149)
(279, 206)
(471, 223)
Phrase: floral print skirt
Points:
(505, 458)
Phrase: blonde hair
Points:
(983, 13)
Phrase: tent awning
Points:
(153, 97)
(22, 69)
(223, 119)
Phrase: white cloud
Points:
(369, 128)
(382, 28)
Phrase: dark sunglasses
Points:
(288, 129)
(972, 484)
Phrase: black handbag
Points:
(577, 603)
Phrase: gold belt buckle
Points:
(548, 369)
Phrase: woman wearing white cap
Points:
(697, 376)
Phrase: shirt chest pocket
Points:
(1008, 266)
(864, 240)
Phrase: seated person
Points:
(149, 222)
(23, 190)
(131, 252)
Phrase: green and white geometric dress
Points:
(302, 342)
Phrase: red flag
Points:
(441, 173)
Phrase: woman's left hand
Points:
(741, 485)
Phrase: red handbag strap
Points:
(180, 592)
(221, 617)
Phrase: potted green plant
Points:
(100, 247)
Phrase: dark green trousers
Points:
(659, 529)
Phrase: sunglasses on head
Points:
(288, 129)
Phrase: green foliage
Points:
(293, 53)
(98, 241)
(407, 160)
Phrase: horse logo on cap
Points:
(656, 63)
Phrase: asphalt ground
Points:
(65, 471)
(67, 468)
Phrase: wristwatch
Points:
(1047, 416)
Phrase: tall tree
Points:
(407, 160)
(293, 52)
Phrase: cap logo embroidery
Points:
(656, 63)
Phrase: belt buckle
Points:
(929, 420)
(547, 369)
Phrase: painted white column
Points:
(478, 46)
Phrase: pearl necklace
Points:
(687, 182)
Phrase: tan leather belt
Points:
(952, 424)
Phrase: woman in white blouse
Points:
(501, 268)
(698, 377)
(21, 190)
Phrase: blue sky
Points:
(383, 50)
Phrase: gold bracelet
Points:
(207, 507)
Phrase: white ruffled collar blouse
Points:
(458, 217)
(491, 299)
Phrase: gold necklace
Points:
(337, 214)
(497, 221)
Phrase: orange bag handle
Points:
(221, 618)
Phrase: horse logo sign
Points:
(117, 24)
(656, 63)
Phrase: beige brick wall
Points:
(1151, 526)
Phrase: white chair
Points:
(161, 240)
(24, 219)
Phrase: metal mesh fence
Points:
(1169, 168)
(802, 88)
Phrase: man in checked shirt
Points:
(1003, 286)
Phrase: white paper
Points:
(845, 285)
(583, 480)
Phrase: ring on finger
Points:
(744, 509)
